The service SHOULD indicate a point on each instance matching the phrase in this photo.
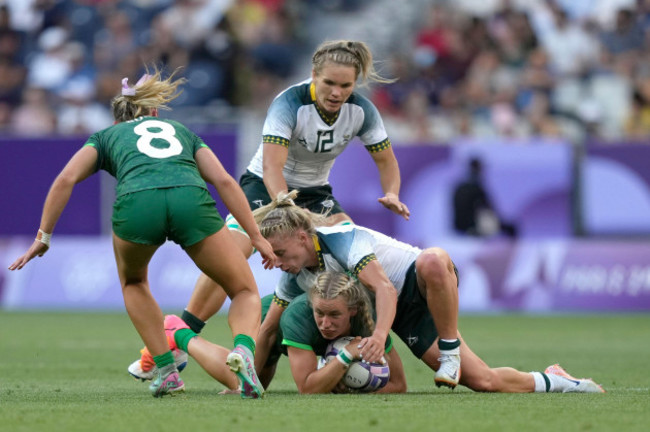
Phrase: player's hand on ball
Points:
(360, 377)
(353, 348)
(372, 349)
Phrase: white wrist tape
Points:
(45, 237)
(344, 357)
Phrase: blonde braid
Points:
(331, 285)
(284, 218)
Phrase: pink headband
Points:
(130, 91)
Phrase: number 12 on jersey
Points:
(324, 138)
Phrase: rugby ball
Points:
(363, 377)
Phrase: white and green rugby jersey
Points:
(349, 249)
(315, 140)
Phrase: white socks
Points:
(451, 352)
(540, 382)
(549, 383)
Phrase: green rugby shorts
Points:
(185, 215)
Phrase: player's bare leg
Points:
(478, 376)
(437, 283)
(208, 296)
(218, 257)
(132, 260)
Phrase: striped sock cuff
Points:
(448, 345)
(547, 382)
(542, 382)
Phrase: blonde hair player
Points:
(161, 194)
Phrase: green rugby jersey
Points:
(299, 328)
(148, 153)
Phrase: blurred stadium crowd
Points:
(61, 61)
(556, 69)
(551, 68)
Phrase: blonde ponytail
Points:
(348, 53)
(151, 91)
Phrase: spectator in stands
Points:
(5, 117)
(81, 70)
(114, 41)
(50, 66)
(35, 115)
(12, 82)
(626, 36)
(571, 49)
(12, 41)
(637, 125)
(78, 112)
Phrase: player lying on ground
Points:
(338, 306)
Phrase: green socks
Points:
(183, 337)
(245, 341)
(164, 359)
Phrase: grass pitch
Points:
(67, 372)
